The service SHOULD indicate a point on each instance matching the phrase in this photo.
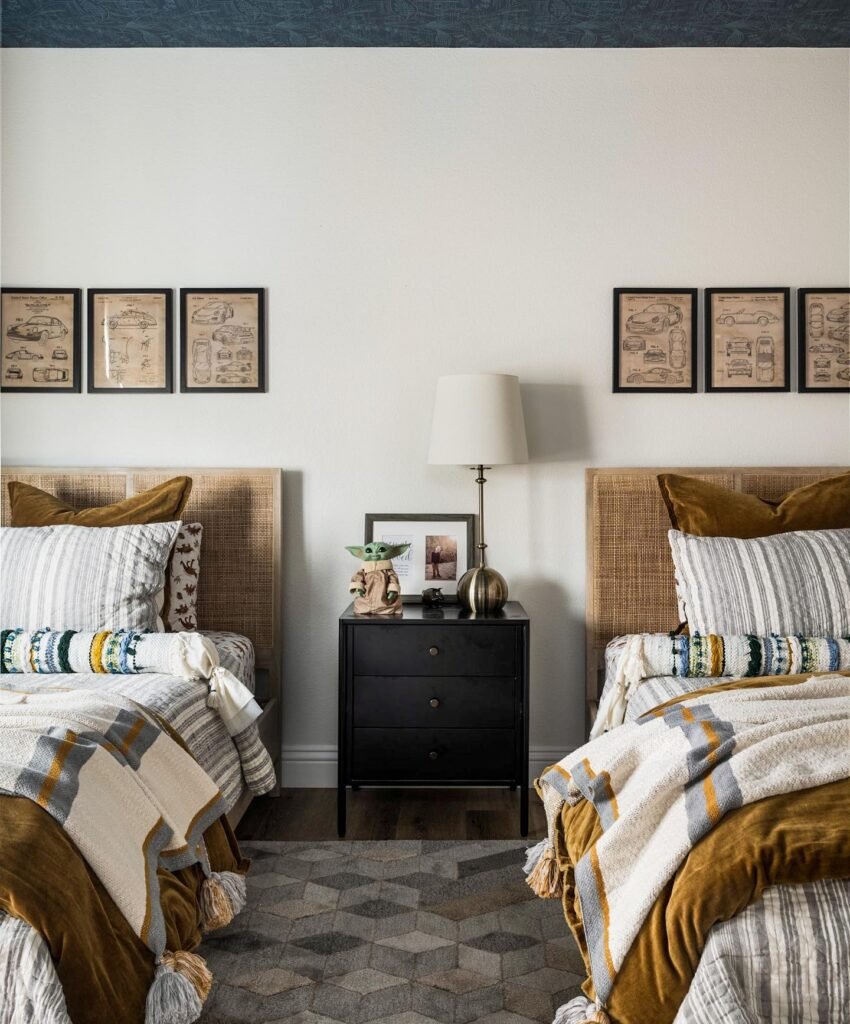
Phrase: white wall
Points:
(415, 212)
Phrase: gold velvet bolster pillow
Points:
(706, 510)
(164, 503)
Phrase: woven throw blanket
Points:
(125, 652)
(647, 655)
(661, 783)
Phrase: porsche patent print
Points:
(655, 332)
(823, 339)
(40, 339)
(747, 339)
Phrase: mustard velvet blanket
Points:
(104, 770)
(628, 810)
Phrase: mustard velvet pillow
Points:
(164, 503)
(706, 510)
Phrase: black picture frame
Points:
(617, 387)
(260, 387)
(468, 520)
(168, 295)
(803, 384)
(76, 376)
(709, 341)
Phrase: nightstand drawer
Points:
(395, 650)
(437, 702)
(423, 755)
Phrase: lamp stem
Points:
(482, 546)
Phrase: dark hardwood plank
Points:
(310, 814)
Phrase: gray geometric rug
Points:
(396, 932)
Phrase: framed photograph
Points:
(222, 339)
(823, 345)
(40, 339)
(130, 339)
(747, 339)
(441, 549)
(655, 339)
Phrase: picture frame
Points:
(41, 340)
(823, 340)
(442, 549)
(130, 340)
(743, 352)
(655, 340)
(222, 340)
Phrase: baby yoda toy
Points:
(375, 582)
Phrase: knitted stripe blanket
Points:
(105, 771)
(661, 783)
(125, 652)
(645, 655)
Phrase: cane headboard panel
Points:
(630, 582)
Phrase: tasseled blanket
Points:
(91, 760)
(124, 652)
(645, 655)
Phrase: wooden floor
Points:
(299, 814)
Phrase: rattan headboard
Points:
(630, 585)
(240, 557)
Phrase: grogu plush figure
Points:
(375, 582)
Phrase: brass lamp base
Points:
(482, 590)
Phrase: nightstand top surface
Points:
(448, 614)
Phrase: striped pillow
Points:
(790, 583)
(83, 577)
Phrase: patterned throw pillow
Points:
(181, 611)
(83, 577)
(790, 583)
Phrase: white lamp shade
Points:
(478, 421)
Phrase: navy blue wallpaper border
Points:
(440, 23)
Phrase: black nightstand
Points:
(434, 697)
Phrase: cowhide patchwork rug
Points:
(397, 932)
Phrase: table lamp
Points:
(478, 423)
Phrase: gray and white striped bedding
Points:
(785, 959)
(794, 584)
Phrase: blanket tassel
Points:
(544, 878)
(180, 985)
(222, 898)
(581, 1011)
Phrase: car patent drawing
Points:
(632, 344)
(235, 368)
(654, 354)
(739, 346)
(224, 353)
(825, 346)
(739, 368)
(748, 316)
(823, 376)
(822, 363)
(676, 345)
(132, 318)
(201, 362)
(840, 314)
(841, 333)
(657, 317)
(59, 353)
(49, 374)
(230, 334)
(765, 359)
(38, 328)
(14, 373)
(657, 375)
(23, 353)
(843, 374)
(231, 378)
(244, 353)
(843, 357)
(212, 312)
(816, 320)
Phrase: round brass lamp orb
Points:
(482, 590)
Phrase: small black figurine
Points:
(432, 596)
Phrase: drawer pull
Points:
(433, 755)
(433, 651)
(434, 702)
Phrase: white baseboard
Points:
(314, 767)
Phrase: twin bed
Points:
(700, 843)
(68, 951)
